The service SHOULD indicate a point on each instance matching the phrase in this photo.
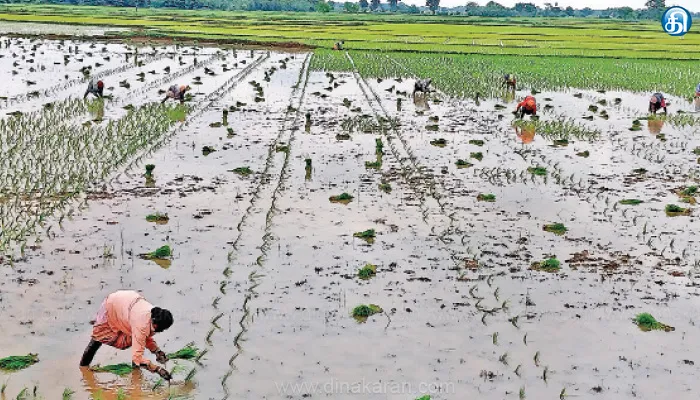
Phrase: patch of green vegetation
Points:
(67, 394)
(673, 210)
(158, 218)
(363, 311)
(561, 142)
(639, 171)
(149, 170)
(557, 228)
(367, 271)
(463, 164)
(282, 149)
(189, 352)
(549, 265)
(593, 108)
(425, 397)
(478, 156)
(646, 322)
(486, 197)
(117, 369)
(160, 253)
(584, 154)
(696, 151)
(379, 146)
(690, 191)
(630, 202)
(432, 127)
(439, 142)
(385, 187)
(476, 142)
(244, 171)
(342, 198)
(206, 150)
(368, 234)
(16, 363)
(539, 171)
(373, 164)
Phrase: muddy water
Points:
(264, 268)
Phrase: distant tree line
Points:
(653, 8)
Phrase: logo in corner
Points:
(677, 21)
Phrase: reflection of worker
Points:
(338, 45)
(176, 92)
(421, 103)
(94, 387)
(527, 106)
(509, 81)
(96, 88)
(126, 319)
(657, 102)
(655, 125)
(525, 133)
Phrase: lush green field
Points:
(457, 35)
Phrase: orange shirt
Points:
(529, 104)
(128, 312)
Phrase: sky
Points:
(692, 5)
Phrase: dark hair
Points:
(161, 318)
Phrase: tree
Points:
(363, 4)
(374, 5)
(570, 11)
(393, 4)
(323, 7)
(493, 4)
(655, 4)
(412, 9)
(351, 7)
(433, 5)
(525, 8)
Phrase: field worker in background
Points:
(338, 45)
(697, 91)
(176, 92)
(527, 106)
(509, 81)
(96, 88)
(422, 85)
(126, 320)
(657, 102)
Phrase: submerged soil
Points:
(264, 272)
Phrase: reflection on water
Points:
(509, 96)
(697, 104)
(421, 102)
(134, 386)
(526, 133)
(655, 126)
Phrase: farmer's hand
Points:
(161, 357)
(164, 373)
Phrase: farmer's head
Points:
(161, 318)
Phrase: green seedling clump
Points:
(540, 171)
(548, 265)
(245, 171)
(206, 150)
(639, 171)
(344, 198)
(368, 234)
(630, 202)
(478, 156)
(117, 369)
(385, 187)
(379, 146)
(149, 170)
(696, 151)
(367, 271)
(561, 142)
(373, 164)
(463, 164)
(282, 149)
(432, 128)
(673, 210)
(584, 154)
(476, 142)
(16, 363)
(646, 322)
(558, 228)
(439, 142)
(363, 311)
(690, 191)
(189, 352)
(486, 197)
(426, 397)
(162, 252)
(158, 218)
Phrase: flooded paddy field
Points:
(448, 202)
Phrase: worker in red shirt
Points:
(527, 106)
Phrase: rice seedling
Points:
(117, 369)
(308, 168)
(537, 359)
(463, 164)
(162, 252)
(206, 150)
(379, 146)
(563, 394)
(646, 322)
(159, 383)
(190, 375)
(517, 370)
(149, 170)
(504, 358)
(584, 154)
(476, 142)
(363, 311)
(67, 394)
(385, 187)
(561, 142)
(16, 363)
(367, 235)
(367, 272)
(243, 171)
(23, 394)
(439, 142)
(494, 338)
(3, 387)
(158, 218)
(486, 197)
(424, 397)
(343, 198)
(556, 228)
(673, 210)
(696, 151)
(373, 164)
(521, 393)
(690, 191)
(478, 156)
(432, 127)
(630, 202)
(539, 171)
(189, 352)
(282, 149)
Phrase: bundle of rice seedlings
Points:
(117, 369)
(344, 198)
(16, 363)
(161, 253)
(157, 218)
(363, 311)
(189, 352)
(646, 322)
(367, 271)
(557, 229)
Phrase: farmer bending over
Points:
(697, 91)
(176, 92)
(422, 85)
(657, 102)
(94, 88)
(509, 81)
(126, 319)
(527, 106)
(338, 45)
